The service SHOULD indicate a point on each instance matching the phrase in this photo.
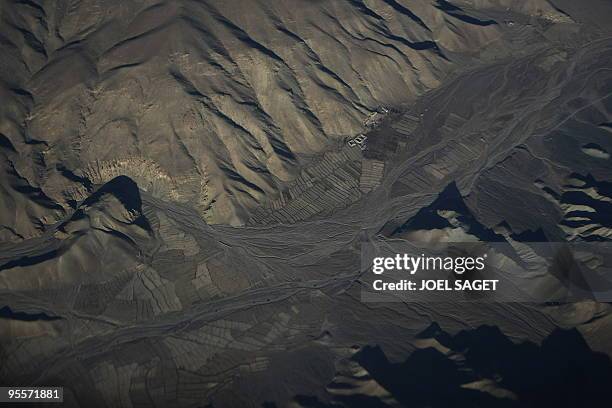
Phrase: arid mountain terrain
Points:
(215, 103)
(186, 185)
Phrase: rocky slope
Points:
(215, 103)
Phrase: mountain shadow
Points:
(561, 372)
(428, 218)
